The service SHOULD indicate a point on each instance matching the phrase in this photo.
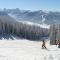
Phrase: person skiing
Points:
(58, 43)
(43, 45)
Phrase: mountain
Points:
(42, 18)
(24, 29)
(46, 17)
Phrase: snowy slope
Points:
(36, 24)
(42, 25)
(27, 50)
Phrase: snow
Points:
(43, 19)
(43, 25)
(22, 49)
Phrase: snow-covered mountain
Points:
(28, 21)
(47, 17)
(14, 18)
(24, 29)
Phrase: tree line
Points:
(22, 30)
(54, 33)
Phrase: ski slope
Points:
(22, 49)
(43, 25)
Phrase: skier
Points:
(58, 43)
(43, 45)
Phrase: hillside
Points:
(23, 29)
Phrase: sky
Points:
(48, 5)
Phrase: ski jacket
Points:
(58, 42)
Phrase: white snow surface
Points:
(22, 49)
(43, 19)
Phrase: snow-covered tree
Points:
(53, 34)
